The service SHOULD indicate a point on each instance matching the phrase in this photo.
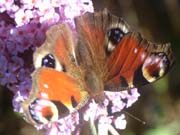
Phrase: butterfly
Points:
(102, 54)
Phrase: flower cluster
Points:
(23, 25)
(64, 126)
(44, 11)
(114, 102)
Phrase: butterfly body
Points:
(103, 54)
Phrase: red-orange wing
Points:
(136, 61)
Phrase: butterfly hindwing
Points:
(136, 62)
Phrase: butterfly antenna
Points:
(134, 117)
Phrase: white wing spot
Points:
(44, 95)
(46, 86)
(135, 50)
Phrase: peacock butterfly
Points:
(103, 53)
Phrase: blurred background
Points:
(159, 103)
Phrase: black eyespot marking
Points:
(73, 101)
(115, 35)
(155, 73)
(48, 61)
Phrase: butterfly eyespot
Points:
(115, 35)
(155, 66)
(48, 61)
(43, 111)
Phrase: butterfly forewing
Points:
(94, 46)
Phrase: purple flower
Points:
(115, 102)
(7, 5)
(120, 122)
